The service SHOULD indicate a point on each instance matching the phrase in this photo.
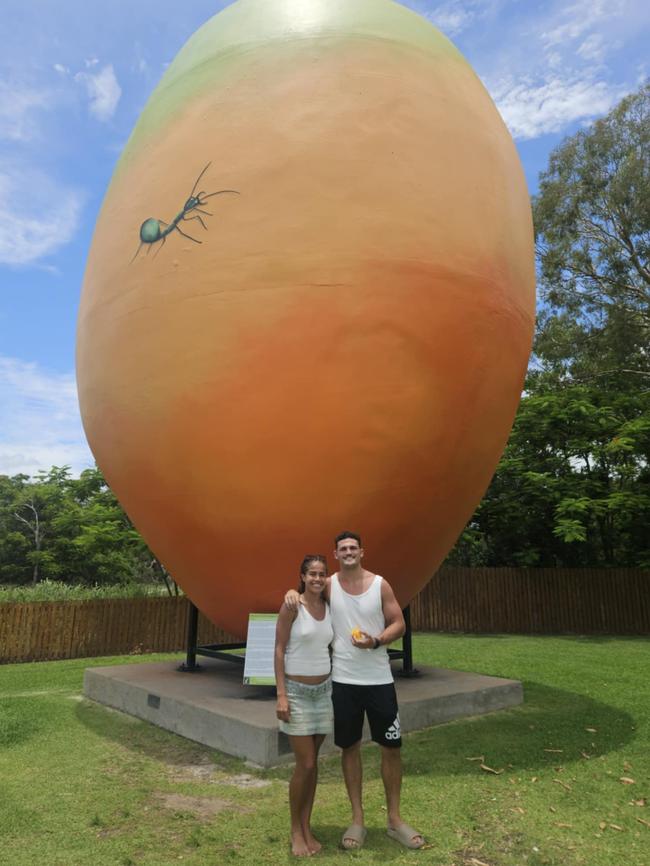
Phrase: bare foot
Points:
(299, 847)
(312, 842)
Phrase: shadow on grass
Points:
(603, 638)
(377, 847)
(551, 728)
(147, 739)
(551, 636)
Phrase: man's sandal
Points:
(406, 836)
(354, 837)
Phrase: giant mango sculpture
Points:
(309, 301)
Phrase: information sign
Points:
(260, 646)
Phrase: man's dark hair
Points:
(343, 535)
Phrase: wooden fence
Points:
(479, 600)
(535, 601)
(42, 631)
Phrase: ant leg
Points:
(188, 219)
(189, 237)
(163, 239)
(136, 253)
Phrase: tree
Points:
(573, 486)
(36, 507)
(14, 544)
(592, 222)
(63, 528)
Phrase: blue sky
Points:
(74, 77)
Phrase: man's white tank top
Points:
(349, 663)
(307, 653)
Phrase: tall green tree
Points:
(573, 486)
(58, 527)
(592, 223)
(14, 542)
(35, 510)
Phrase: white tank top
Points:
(350, 664)
(307, 653)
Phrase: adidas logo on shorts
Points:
(395, 731)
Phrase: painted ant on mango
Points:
(154, 230)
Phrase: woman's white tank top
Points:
(307, 653)
(349, 663)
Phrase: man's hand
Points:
(292, 599)
(282, 710)
(362, 639)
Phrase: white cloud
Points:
(531, 109)
(17, 104)
(40, 426)
(576, 20)
(593, 48)
(36, 224)
(103, 91)
(451, 18)
(554, 60)
(557, 64)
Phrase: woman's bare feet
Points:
(312, 842)
(299, 847)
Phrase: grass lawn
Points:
(81, 785)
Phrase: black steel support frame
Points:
(406, 653)
(220, 650)
(215, 650)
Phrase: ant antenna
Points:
(199, 178)
(219, 192)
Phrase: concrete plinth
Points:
(214, 708)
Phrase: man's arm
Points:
(394, 622)
(393, 616)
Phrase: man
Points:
(366, 617)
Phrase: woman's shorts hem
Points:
(310, 709)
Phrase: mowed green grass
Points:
(81, 785)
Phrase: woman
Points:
(304, 708)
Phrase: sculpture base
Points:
(216, 710)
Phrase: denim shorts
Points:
(310, 709)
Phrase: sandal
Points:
(354, 837)
(406, 836)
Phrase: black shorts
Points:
(351, 702)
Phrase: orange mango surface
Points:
(340, 345)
